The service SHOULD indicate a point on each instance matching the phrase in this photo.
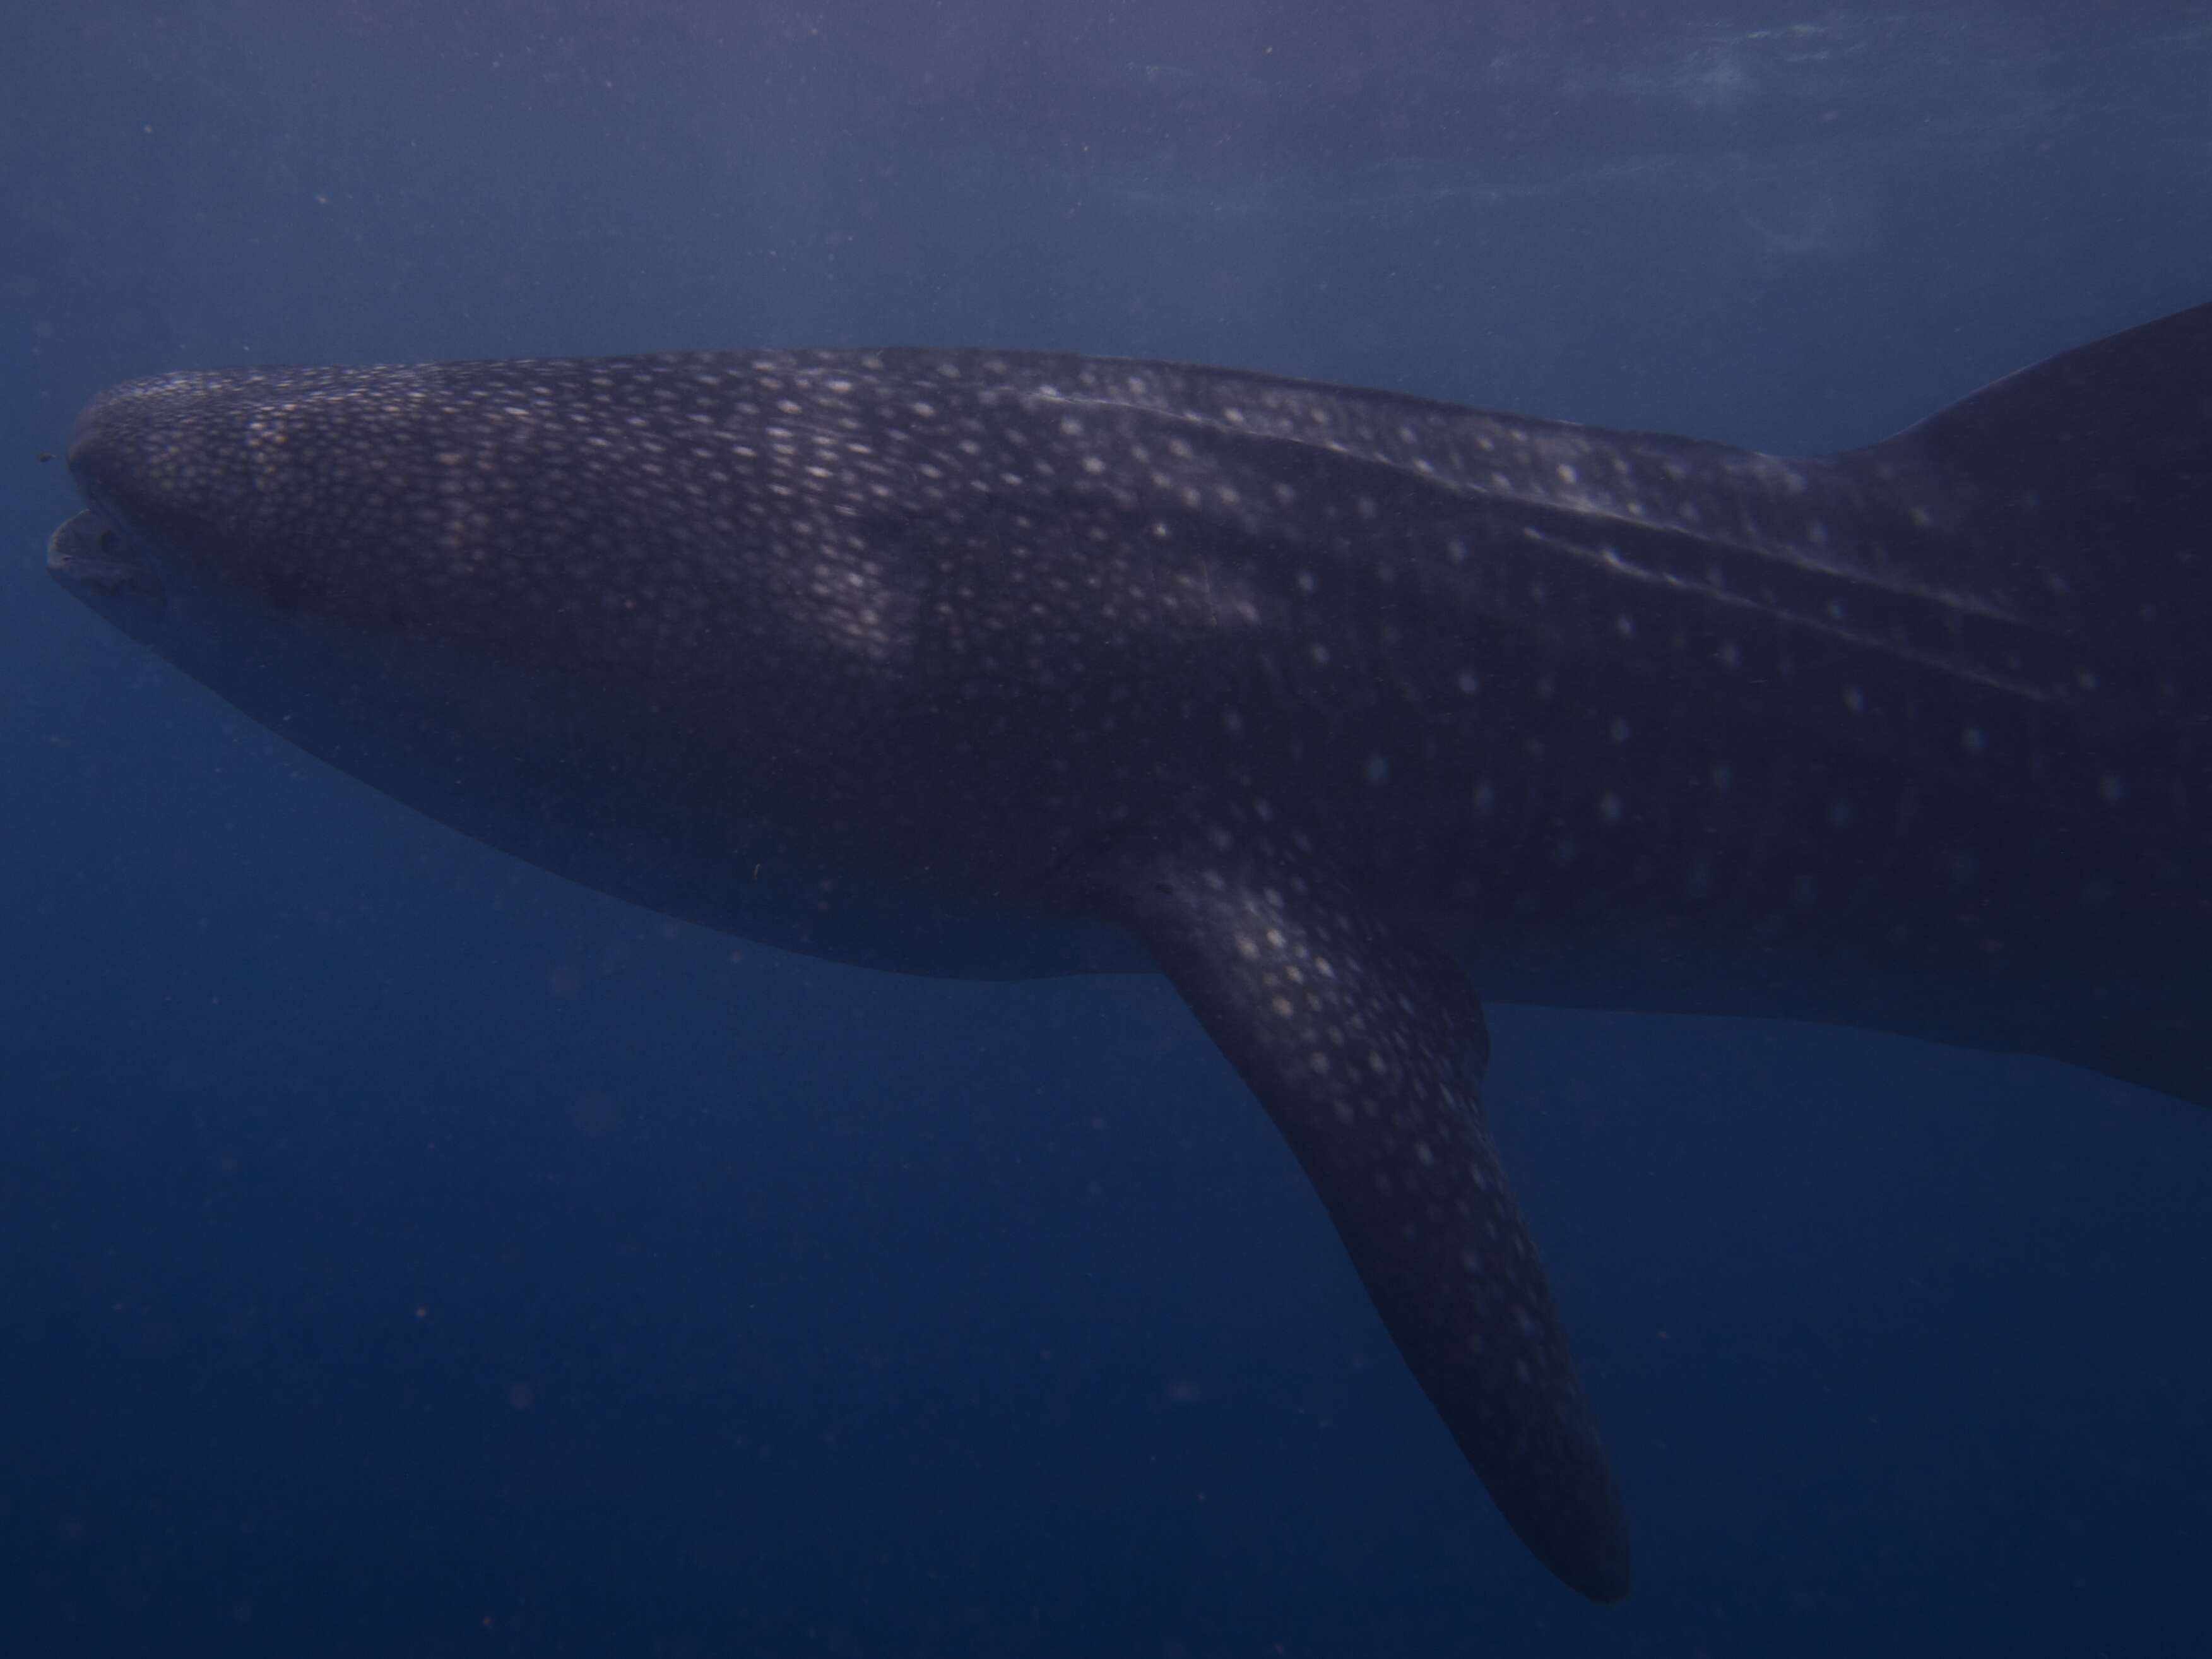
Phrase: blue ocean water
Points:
(407, 1253)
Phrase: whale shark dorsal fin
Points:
(2068, 493)
(1367, 1049)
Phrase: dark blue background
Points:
(405, 1254)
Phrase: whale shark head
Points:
(216, 532)
(431, 505)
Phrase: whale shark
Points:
(1346, 711)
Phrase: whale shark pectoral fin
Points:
(1367, 1049)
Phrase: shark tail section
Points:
(2076, 501)
(2073, 500)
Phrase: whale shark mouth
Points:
(88, 552)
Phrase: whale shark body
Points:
(1341, 708)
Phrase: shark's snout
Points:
(145, 452)
(104, 444)
(90, 554)
(99, 555)
(157, 463)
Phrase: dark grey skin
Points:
(1337, 707)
